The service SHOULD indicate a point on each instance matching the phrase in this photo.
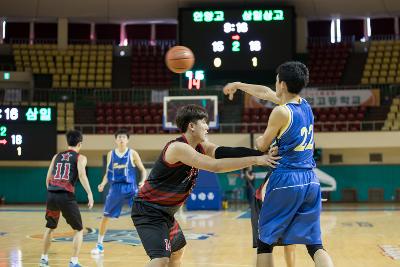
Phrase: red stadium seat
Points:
(137, 119)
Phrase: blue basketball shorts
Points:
(118, 195)
(291, 210)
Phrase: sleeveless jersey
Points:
(296, 140)
(121, 169)
(65, 172)
(169, 185)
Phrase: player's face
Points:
(200, 129)
(122, 140)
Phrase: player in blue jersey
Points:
(292, 205)
(122, 163)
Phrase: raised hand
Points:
(230, 89)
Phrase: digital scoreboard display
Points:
(238, 39)
(27, 132)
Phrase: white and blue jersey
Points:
(121, 169)
(291, 210)
(121, 174)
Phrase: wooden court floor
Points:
(352, 235)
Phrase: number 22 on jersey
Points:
(308, 139)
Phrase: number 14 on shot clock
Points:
(194, 79)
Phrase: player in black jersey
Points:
(255, 208)
(64, 171)
(172, 179)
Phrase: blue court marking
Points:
(244, 215)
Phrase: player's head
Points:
(291, 77)
(74, 139)
(122, 137)
(193, 119)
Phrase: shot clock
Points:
(27, 132)
(238, 39)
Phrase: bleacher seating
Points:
(133, 116)
(327, 63)
(80, 66)
(392, 122)
(148, 67)
(382, 65)
(326, 119)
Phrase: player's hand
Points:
(90, 202)
(230, 89)
(268, 160)
(100, 187)
(273, 151)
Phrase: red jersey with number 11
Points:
(65, 172)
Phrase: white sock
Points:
(45, 257)
(74, 260)
(100, 239)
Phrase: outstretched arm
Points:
(259, 91)
(180, 152)
(220, 152)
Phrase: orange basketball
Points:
(179, 59)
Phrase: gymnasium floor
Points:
(352, 234)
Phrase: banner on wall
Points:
(327, 98)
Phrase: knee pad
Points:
(263, 247)
(313, 248)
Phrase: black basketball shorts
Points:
(62, 202)
(159, 232)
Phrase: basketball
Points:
(179, 59)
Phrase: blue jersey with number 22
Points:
(296, 139)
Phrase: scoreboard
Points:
(27, 132)
(238, 39)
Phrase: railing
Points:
(233, 127)
(54, 41)
(32, 41)
(327, 40)
(145, 42)
(385, 37)
(144, 94)
(133, 95)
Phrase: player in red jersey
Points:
(172, 179)
(64, 171)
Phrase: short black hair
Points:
(74, 137)
(295, 74)
(189, 113)
(122, 131)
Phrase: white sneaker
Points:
(99, 249)
(43, 263)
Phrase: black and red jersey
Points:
(169, 185)
(65, 172)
